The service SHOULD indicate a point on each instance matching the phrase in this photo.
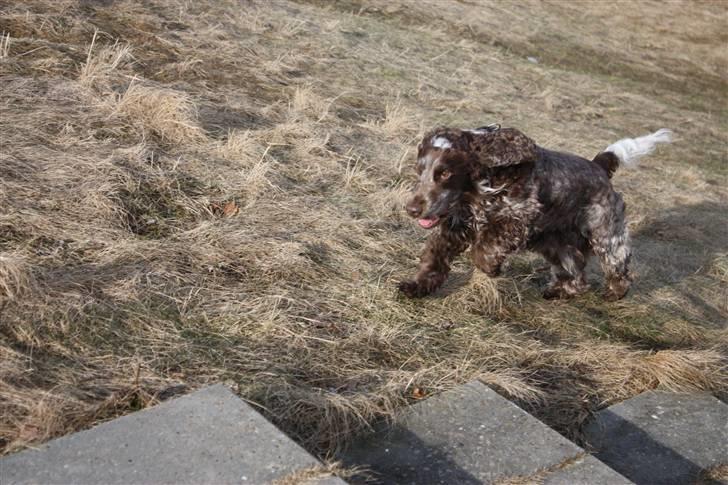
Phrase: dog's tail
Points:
(628, 151)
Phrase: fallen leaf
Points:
(224, 209)
(230, 209)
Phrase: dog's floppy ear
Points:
(504, 147)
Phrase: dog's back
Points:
(567, 183)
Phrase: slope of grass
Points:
(194, 192)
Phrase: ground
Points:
(194, 192)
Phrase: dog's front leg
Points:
(492, 246)
(439, 252)
(489, 259)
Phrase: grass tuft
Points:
(16, 278)
(398, 122)
(102, 63)
(4, 45)
(167, 115)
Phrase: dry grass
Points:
(104, 63)
(314, 474)
(398, 121)
(4, 45)
(715, 475)
(198, 193)
(539, 477)
(168, 115)
(15, 277)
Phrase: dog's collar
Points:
(490, 128)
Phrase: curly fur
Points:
(496, 192)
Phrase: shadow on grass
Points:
(683, 243)
(679, 291)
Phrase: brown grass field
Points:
(193, 192)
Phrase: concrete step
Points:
(472, 435)
(662, 438)
(209, 436)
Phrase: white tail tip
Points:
(630, 150)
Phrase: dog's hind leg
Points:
(568, 258)
(609, 238)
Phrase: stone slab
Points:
(586, 470)
(467, 435)
(209, 436)
(660, 437)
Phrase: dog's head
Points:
(453, 165)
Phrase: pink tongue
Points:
(427, 223)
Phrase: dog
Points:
(494, 190)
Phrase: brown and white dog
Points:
(494, 190)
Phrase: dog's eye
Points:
(444, 175)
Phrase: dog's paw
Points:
(412, 289)
(616, 289)
(493, 272)
(564, 290)
(556, 293)
(611, 296)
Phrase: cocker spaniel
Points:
(494, 190)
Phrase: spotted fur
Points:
(496, 192)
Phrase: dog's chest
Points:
(493, 211)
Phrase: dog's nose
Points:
(414, 208)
